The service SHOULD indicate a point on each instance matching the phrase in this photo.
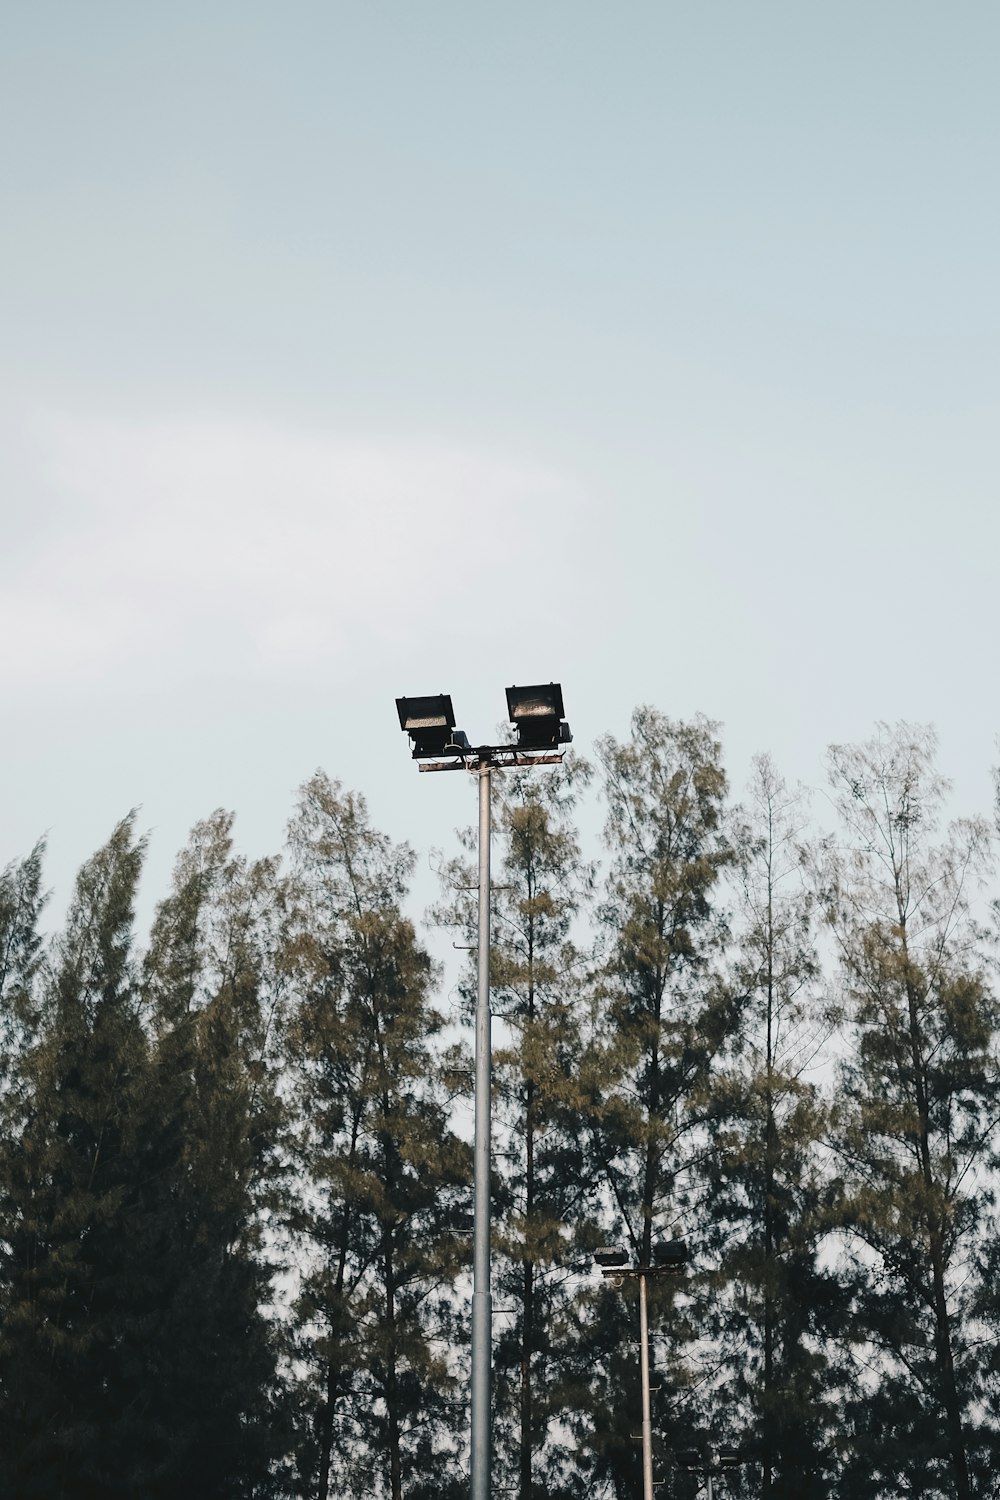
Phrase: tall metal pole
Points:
(710, 1490)
(647, 1426)
(482, 1302)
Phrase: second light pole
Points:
(668, 1259)
(536, 714)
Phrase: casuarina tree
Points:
(767, 1302)
(915, 1130)
(133, 1349)
(385, 1179)
(663, 1014)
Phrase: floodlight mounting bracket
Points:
(497, 757)
(668, 1270)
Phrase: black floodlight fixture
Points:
(611, 1255)
(537, 715)
(430, 723)
(671, 1253)
(730, 1458)
(688, 1458)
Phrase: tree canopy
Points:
(235, 1163)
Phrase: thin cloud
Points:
(194, 543)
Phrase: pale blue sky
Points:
(319, 319)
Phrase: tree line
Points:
(235, 1166)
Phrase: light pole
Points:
(613, 1261)
(697, 1462)
(536, 714)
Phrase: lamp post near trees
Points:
(536, 715)
(667, 1259)
(708, 1465)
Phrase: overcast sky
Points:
(352, 350)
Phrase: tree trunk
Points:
(326, 1433)
(652, 1114)
(527, 1403)
(392, 1395)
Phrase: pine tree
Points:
(767, 1301)
(21, 902)
(916, 1121)
(74, 1419)
(133, 1355)
(384, 1173)
(213, 987)
(985, 1306)
(541, 1184)
(664, 1015)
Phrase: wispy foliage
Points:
(236, 1183)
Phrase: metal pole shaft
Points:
(647, 1428)
(482, 1302)
(710, 1490)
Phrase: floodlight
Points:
(671, 1253)
(729, 1458)
(611, 1255)
(430, 723)
(537, 714)
(688, 1458)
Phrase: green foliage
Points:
(214, 992)
(132, 1351)
(663, 1014)
(916, 1115)
(21, 902)
(767, 1303)
(235, 1192)
(384, 1175)
(78, 1218)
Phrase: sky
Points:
(357, 350)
